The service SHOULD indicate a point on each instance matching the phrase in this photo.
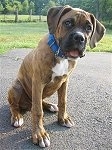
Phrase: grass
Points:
(21, 35)
(27, 35)
(105, 45)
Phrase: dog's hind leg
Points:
(14, 96)
(50, 107)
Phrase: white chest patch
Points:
(60, 69)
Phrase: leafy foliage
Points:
(102, 9)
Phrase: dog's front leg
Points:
(63, 117)
(40, 136)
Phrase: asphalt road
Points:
(89, 104)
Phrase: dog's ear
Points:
(54, 15)
(98, 31)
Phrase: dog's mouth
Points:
(74, 54)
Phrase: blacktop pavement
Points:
(89, 104)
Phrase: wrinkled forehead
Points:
(79, 15)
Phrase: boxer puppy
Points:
(46, 69)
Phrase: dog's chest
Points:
(60, 68)
(60, 73)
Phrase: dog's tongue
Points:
(74, 53)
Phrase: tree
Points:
(25, 6)
(17, 7)
(62, 2)
(31, 10)
(39, 5)
(7, 7)
(1, 7)
(102, 9)
(107, 10)
(46, 8)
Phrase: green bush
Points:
(108, 25)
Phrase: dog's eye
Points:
(68, 23)
(88, 28)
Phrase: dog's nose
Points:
(79, 37)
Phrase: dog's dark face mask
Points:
(73, 28)
(74, 34)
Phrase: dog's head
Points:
(73, 28)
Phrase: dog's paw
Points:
(41, 138)
(50, 107)
(17, 121)
(53, 107)
(66, 122)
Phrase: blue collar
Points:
(54, 46)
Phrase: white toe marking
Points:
(18, 123)
(41, 143)
(47, 142)
(53, 108)
(69, 124)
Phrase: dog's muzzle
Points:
(76, 45)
